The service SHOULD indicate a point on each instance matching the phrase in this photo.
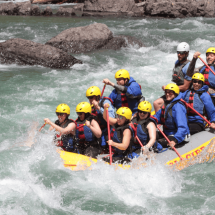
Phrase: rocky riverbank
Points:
(120, 8)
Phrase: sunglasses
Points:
(59, 114)
(90, 97)
(197, 81)
(119, 116)
(169, 92)
(79, 113)
(144, 112)
(182, 52)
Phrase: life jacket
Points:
(102, 123)
(84, 134)
(116, 135)
(167, 118)
(65, 141)
(178, 75)
(208, 75)
(194, 100)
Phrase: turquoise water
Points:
(33, 179)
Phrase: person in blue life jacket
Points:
(173, 117)
(64, 127)
(145, 129)
(180, 73)
(88, 132)
(127, 92)
(93, 93)
(208, 75)
(198, 98)
(122, 135)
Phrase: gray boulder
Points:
(47, 12)
(8, 8)
(82, 39)
(65, 12)
(122, 41)
(25, 52)
(119, 6)
(24, 8)
(171, 9)
(209, 8)
(35, 10)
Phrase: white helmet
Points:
(183, 47)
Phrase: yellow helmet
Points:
(172, 87)
(122, 73)
(125, 111)
(63, 108)
(145, 106)
(93, 91)
(199, 76)
(84, 107)
(211, 49)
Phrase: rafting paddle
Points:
(108, 127)
(206, 65)
(103, 90)
(42, 127)
(169, 142)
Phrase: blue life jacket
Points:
(173, 117)
(130, 98)
(201, 101)
(117, 136)
(143, 134)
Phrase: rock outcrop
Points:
(90, 38)
(82, 39)
(26, 52)
(121, 7)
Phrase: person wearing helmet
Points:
(127, 92)
(173, 117)
(93, 93)
(122, 136)
(201, 101)
(64, 127)
(144, 126)
(88, 132)
(208, 75)
(180, 75)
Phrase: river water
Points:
(33, 179)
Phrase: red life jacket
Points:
(190, 102)
(206, 76)
(81, 135)
(124, 100)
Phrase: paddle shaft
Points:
(169, 142)
(195, 111)
(206, 65)
(103, 90)
(139, 141)
(42, 127)
(108, 127)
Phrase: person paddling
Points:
(122, 135)
(208, 75)
(201, 101)
(145, 127)
(173, 117)
(88, 132)
(93, 93)
(127, 92)
(65, 128)
(180, 75)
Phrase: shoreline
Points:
(82, 10)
